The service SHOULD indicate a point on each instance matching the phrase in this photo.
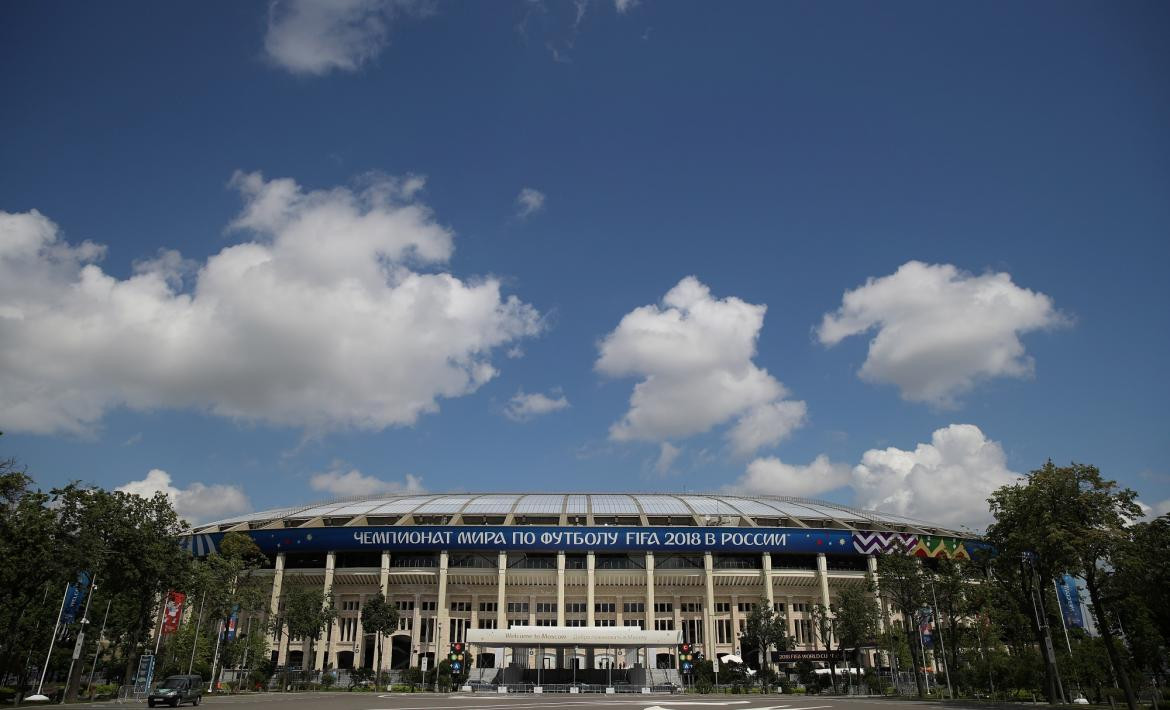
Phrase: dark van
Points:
(177, 689)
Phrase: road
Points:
(489, 701)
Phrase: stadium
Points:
(574, 582)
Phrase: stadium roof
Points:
(579, 509)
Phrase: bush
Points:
(7, 694)
(106, 690)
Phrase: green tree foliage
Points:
(1070, 519)
(307, 611)
(857, 616)
(380, 617)
(764, 628)
(903, 584)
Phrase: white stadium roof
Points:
(577, 509)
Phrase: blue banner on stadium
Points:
(544, 539)
(1070, 602)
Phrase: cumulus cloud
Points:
(694, 355)
(309, 37)
(322, 319)
(771, 476)
(946, 481)
(524, 406)
(667, 453)
(940, 330)
(353, 483)
(529, 202)
(196, 502)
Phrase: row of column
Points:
(442, 614)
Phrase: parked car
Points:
(176, 690)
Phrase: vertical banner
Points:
(74, 596)
(1070, 602)
(173, 612)
(233, 622)
(926, 628)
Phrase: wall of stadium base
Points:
(441, 596)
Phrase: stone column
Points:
(709, 605)
(274, 608)
(416, 631)
(590, 600)
(735, 624)
(560, 589)
(650, 604)
(384, 586)
(789, 613)
(590, 588)
(360, 639)
(823, 577)
(441, 612)
(766, 575)
(325, 646)
(501, 603)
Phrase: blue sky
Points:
(1001, 173)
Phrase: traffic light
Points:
(686, 658)
(457, 657)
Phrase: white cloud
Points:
(624, 6)
(1154, 511)
(667, 453)
(353, 483)
(523, 406)
(940, 330)
(310, 37)
(194, 503)
(529, 202)
(324, 320)
(765, 425)
(694, 355)
(946, 481)
(771, 476)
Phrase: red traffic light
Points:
(457, 646)
(686, 648)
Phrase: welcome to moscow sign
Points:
(536, 538)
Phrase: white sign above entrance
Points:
(585, 636)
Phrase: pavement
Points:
(491, 701)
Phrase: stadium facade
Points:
(535, 580)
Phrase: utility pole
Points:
(941, 641)
(1032, 579)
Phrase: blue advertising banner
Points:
(74, 595)
(544, 539)
(233, 621)
(1070, 602)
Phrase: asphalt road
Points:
(489, 701)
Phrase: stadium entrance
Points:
(543, 656)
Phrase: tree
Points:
(822, 621)
(903, 585)
(764, 628)
(1070, 519)
(307, 611)
(857, 616)
(380, 617)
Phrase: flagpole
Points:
(1063, 625)
(52, 640)
(98, 646)
(80, 636)
(195, 642)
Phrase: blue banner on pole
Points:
(232, 623)
(74, 596)
(1070, 602)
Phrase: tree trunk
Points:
(1110, 643)
(919, 668)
